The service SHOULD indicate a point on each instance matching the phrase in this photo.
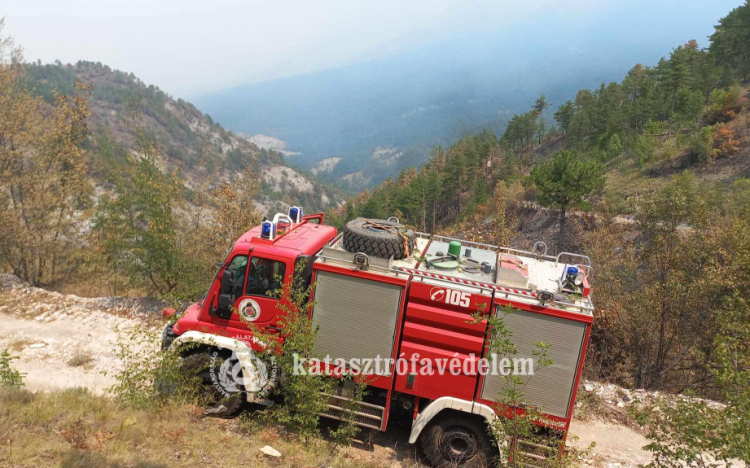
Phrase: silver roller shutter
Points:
(551, 387)
(356, 317)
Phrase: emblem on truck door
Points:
(249, 310)
(451, 296)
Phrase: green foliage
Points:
(724, 105)
(663, 295)
(644, 147)
(564, 116)
(649, 103)
(355, 388)
(521, 130)
(452, 186)
(739, 198)
(615, 203)
(136, 228)
(303, 393)
(687, 431)
(9, 377)
(613, 148)
(149, 377)
(701, 145)
(44, 188)
(566, 181)
(730, 43)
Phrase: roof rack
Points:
(334, 254)
(586, 307)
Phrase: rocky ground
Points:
(63, 340)
(67, 341)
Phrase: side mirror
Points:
(227, 281)
(226, 295)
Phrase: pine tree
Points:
(564, 116)
(564, 182)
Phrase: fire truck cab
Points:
(418, 310)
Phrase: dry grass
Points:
(80, 359)
(20, 344)
(77, 429)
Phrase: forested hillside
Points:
(189, 141)
(685, 113)
(109, 186)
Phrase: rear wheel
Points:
(218, 391)
(454, 441)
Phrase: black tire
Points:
(202, 365)
(167, 336)
(454, 441)
(361, 236)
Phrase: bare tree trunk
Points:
(561, 231)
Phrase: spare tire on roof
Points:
(378, 237)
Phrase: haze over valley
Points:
(453, 80)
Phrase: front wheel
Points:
(454, 441)
(219, 392)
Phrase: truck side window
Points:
(265, 277)
(239, 266)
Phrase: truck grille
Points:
(365, 414)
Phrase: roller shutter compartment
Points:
(551, 387)
(356, 317)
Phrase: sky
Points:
(190, 47)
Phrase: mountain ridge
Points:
(190, 142)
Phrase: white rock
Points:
(37, 346)
(270, 451)
(588, 387)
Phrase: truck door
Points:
(257, 282)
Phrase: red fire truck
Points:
(384, 291)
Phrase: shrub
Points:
(701, 145)
(724, 105)
(724, 142)
(79, 360)
(149, 377)
(9, 377)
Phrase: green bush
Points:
(9, 377)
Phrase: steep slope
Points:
(190, 142)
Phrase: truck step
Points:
(536, 445)
(535, 454)
(363, 414)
